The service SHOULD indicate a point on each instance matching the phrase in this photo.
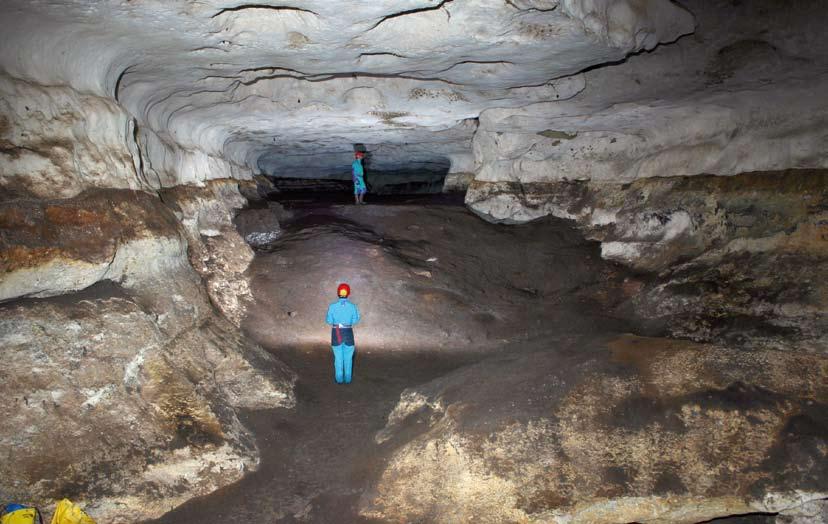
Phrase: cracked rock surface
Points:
(113, 347)
(684, 141)
(217, 89)
(638, 430)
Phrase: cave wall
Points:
(122, 305)
(122, 148)
(57, 142)
(700, 165)
(113, 343)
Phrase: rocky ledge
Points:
(113, 348)
(719, 257)
(636, 430)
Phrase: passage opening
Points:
(385, 172)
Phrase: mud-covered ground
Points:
(438, 288)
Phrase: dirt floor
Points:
(439, 288)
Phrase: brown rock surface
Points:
(737, 257)
(137, 373)
(49, 247)
(644, 430)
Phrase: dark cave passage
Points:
(589, 258)
(439, 290)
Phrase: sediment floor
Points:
(438, 288)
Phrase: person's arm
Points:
(355, 316)
(329, 317)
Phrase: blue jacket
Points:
(343, 312)
(358, 173)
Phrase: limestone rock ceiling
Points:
(746, 92)
(296, 83)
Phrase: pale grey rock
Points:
(662, 432)
(260, 227)
(628, 24)
(56, 142)
(148, 419)
(166, 164)
(233, 83)
(457, 182)
(814, 512)
(216, 249)
(764, 129)
(745, 93)
(460, 173)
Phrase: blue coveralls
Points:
(358, 174)
(342, 316)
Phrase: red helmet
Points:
(343, 290)
(359, 154)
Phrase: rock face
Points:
(216, 250)
(130, 366)
(743, 95)
(131, 133)
(51, 247)
(147, 417)
(299, 84)
(681, 163)
(56, 142)
(730, 257)
(661, 431)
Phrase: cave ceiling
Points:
(290, 86)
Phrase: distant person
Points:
(343, 315)
(359, 178)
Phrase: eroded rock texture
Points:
(130, 367)
(216, 249)
(289, 88)
(687, 138)
(737, 257)
(697, 165)
(661, 431)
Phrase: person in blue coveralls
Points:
(343, 315)
(358, 175)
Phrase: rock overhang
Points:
(265, 86)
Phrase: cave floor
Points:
(486, 296)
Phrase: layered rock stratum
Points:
(661, 431)
(687, 138)
(116, 349)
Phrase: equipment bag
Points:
(19, 514)
(68, 513)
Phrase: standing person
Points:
(343, 315)
(358, 174)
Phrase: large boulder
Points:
(144, 421)
(641, 430)
(110, 344)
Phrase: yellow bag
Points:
(68, 513)
(21, 516)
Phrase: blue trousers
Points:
(343, 363)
